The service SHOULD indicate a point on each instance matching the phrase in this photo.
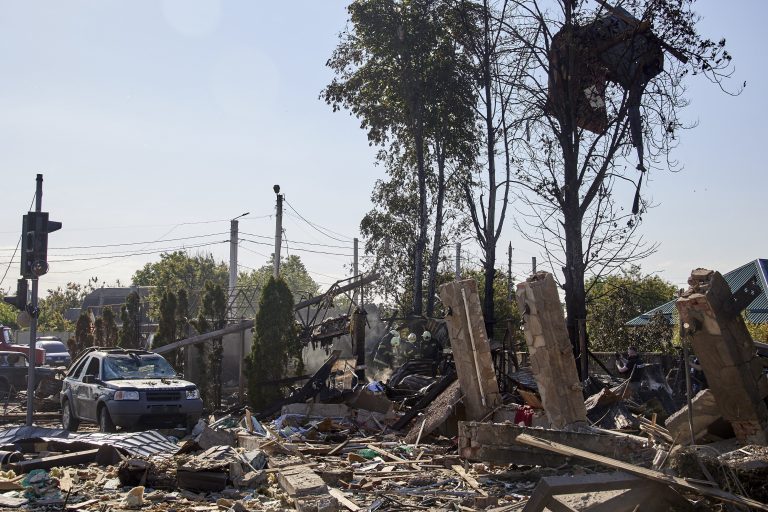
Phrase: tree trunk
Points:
(437, 240)
(573, 272)
(490, 222)
(421, 242)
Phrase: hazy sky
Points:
(155, 122)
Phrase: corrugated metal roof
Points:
(150, 442)
(757, 311)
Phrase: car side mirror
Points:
(89, 379)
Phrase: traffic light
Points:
(34, 243)
(20, 300)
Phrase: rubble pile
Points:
(447, 439)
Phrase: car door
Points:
(89, 393)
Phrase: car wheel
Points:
(68, 419)
(105, 420)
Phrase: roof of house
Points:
(757, 311)
(113, 297)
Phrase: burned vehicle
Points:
(129, 389)
(14, 368)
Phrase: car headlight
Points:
(192, 394)
(126, 395)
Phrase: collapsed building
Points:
(444, 434)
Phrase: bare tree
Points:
(487, 186)
(603, 87)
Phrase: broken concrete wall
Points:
(726, 353)
(550, 351)
(471, 350)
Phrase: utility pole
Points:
(233, 243)
(458, 261)
(533, 265)
(355, 269)
(233, 314)
(33, 321)
(510, 287)
(278, 230)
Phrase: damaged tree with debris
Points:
(603, 94)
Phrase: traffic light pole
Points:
(33, 312)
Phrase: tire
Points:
(68, 419)
(106, 424)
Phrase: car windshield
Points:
(117, 367)
(52, 347)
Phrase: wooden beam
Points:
(656, 476)
(469, 479)
(350, 505)
(52, 461)
(208, 336)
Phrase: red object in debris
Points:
(524, 415)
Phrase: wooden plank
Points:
(350, 505)
(469, 479)
(338, 447)
(436, 413)
(550, 351)
(385, 453)
(470, 347)
(52, 461)
(650, 474)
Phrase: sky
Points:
(155, 122)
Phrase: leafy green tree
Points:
(202, 326)
(274, 343)
(397, 70)
(182, 327)
(166, 328)
(98, 332)
(759, 332)
(130, 314)
(84, 331)
(505, 310)
(177, 270)
(110, 326)
(8, 314)
(616, 299)
(54, 306)
(292, 271)
(214, 308)
(182, 313)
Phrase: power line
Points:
(301, 243)
(318, 227)
(299, 248)
(140, 253)
(251, 250)
(149, 242)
